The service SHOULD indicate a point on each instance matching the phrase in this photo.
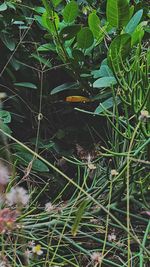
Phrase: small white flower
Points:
(111, 237)
(4, 175)
(17, 195)
(114, 172)
(96, 257)
(49, 207)
(3, 95)
(144, 115)
(91, 166)
(37, 250)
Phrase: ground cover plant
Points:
(74, 133)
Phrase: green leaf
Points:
(56, 2)
(69, 32)
(8, 41)
(3, 7)
(38, 19)
(104, 82)
(39, 9)
(119, 50)
(78, 55)
(5, 116)
(85, 38)
(42, 144)
(5, 128)
(95, 27)
(42, 60)
(64, 87)
(26, 85)
(131, 11)
(79, 216)
(15, 63)
(25, 158)
(138, 34)
(11, 5)
(70, 12)
(47, 47)
(107, 104)
(50, 23)
(104, 71)
(131, 26)
(118, 13)
(94, 24)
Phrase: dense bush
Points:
(75, 133)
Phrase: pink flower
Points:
(96, 257)
(7, 219)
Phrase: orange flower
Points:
(77, 98)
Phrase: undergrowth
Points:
(63, 204)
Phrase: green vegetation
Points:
(74, 133)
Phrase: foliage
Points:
(74, 73)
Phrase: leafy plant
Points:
(75, 133)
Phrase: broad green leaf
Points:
(39, 9)
(56, 2)
(79, 216)
(119, 50)
(104, 82)
(78, 55)
(104, 71)
(138, 34)
(118, 13)
(103, 31)
(134, 21)
(50, 23)
(26, 85)
(38, 19)
(8, 41)
(70, 12)
(11, 5)
(25, 158)
(94, 24)
(5, 128)
(64, 87)
(3, 7)
(5, 116)
(85, 38)
(97, 30)
(15, 63)
(46, 47)
(107, 104)
(69, 32)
